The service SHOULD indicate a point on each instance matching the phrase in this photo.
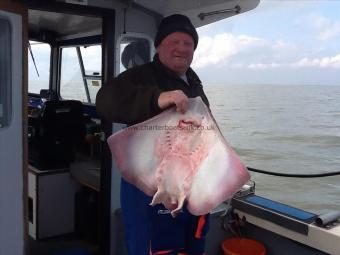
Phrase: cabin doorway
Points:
(66, 202)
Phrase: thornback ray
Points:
(180, 159)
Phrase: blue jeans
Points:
(153, 228)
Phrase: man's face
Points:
(176, 52)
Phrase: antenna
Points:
(30, 50)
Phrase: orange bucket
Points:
(242, 246)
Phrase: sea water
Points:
(289, 129)
(279, 128)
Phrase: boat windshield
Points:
(81, 73)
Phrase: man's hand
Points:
(175, 97)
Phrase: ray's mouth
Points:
(193, 122)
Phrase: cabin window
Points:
(81, 73)
(39, 54)
(5, 73)
(133, 51)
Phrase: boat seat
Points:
(55, 134)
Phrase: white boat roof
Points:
(199, 11)
(193, 8)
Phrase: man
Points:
(136, 95)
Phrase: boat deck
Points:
(63, 245)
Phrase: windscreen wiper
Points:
(30, 49)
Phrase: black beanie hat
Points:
(175, 23)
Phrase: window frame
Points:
(6, 90)
(129, 36)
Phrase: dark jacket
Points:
(133, 95)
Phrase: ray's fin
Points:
(180, 204)
(158, 198)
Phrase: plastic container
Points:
(242, 246)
